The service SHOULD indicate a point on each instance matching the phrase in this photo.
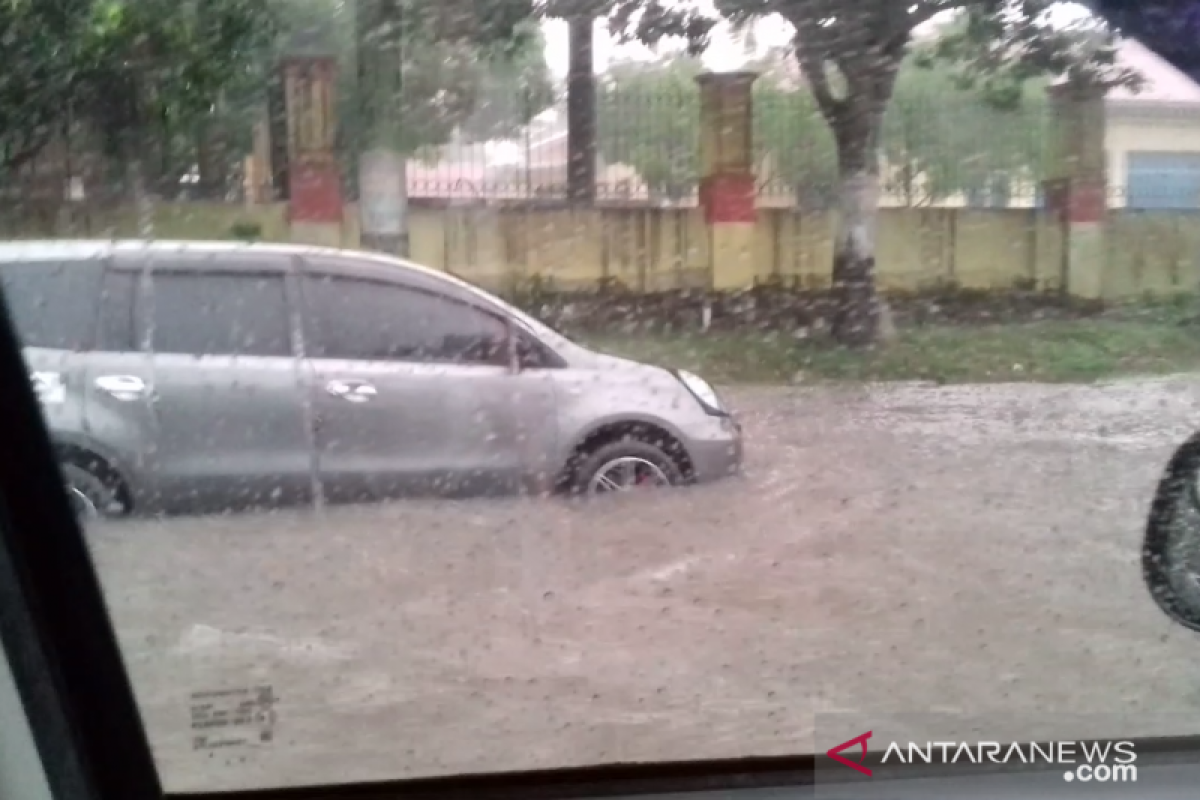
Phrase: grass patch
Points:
(1055, 351)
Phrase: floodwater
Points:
(966, 551)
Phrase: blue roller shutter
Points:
(1163, 181)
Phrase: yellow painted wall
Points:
(1152, 253)
(648, 249)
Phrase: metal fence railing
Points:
(934, 151)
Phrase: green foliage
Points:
(796, 152)
(118, 65)
(1048, 351)
(941, 139)
(123, 71)
(39, 69)
(938, 138)
(647, 117)
(246, 231)
(851, 53)
(512, 88)
(155, 60)
(487, 80)
(155, 78)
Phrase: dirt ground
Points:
(966, 552)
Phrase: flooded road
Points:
(966, 550)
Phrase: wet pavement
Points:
(972, 551)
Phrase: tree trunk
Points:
(382, 183)
(581, 112)
(857, 308)
(211, 162)
(135, 177)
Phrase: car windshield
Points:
(880, 324)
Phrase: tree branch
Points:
(16, 157)
(924, 11)
(813, 67)
(919, 14)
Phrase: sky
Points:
(724, 53)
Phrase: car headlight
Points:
(703, 392)
(49, 387)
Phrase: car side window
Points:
(215, 313)
(53, 304)
(116, 332)
(373, 321)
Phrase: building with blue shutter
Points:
(1153, 137)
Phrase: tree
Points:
(414, 72)
(647, 117)
(38, 76)
(940, 139)
(850, 54)
(512, 89)
(488, 87)
(796, 150)
(162, 64)
(118, 68)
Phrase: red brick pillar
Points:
(1078, 192)
(727, 183)
(315, 209)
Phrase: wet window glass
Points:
(878, 328)
(220, 314)
(53, 303)
(373, 321)
(118, 297)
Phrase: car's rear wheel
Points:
(90, 494)
(625, 466)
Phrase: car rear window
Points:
(53, 303)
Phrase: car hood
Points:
(603, 362)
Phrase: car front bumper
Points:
(720, 456)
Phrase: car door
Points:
(75, 319)
(118, 416)
(231, 427)
(411, 389)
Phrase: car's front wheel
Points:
(90, 495)
(624, 466)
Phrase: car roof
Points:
(87, 249)
(13, 250)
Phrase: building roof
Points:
(1163, 82)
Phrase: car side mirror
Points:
(1171, 547)
(527, 354)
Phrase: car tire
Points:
(642, 455)
(91, 496)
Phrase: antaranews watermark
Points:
(1098, 762)
(1083, 761)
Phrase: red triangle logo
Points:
(855, 765)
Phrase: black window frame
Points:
(102, 340)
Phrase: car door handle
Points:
(126, 388)
(352, 391)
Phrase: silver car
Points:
(219, 375)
